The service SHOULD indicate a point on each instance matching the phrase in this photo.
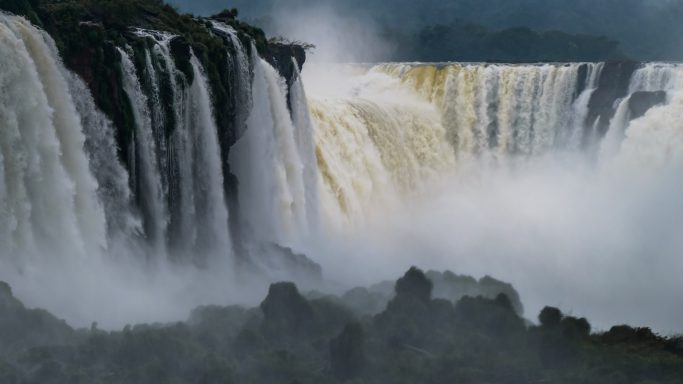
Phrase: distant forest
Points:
(506, 30)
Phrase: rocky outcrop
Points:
(283, 264)
(439, 285)
(613, 85)
(641, 102)
(280, 56)
(22, 328)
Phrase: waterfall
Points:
(656, 139)
(178, 161)
(268, 164)
(48, 196)
(181, 152)
(652, 77)
(147, 176)
(388, 129)
(581, 106)
(212, 212)
(304, 136)
(368, 151)
(341, 152)
(112, 178)
(240, 68)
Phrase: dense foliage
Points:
(291, 339)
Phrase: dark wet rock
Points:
(286, 58)
(613, 85)
(182, 52)
(641, 102)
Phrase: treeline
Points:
(471, 42)
(291, 338)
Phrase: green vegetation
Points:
(290, 339)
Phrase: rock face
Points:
(280, 56)
(641, 102)
(288, 59)
(613, 85)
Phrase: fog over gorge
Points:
(275, 191)
(586, 230)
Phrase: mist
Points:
(599, 246)
(337, 37)
(596, 236)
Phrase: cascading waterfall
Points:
(212, 212)
(653, 77)
(268, 164)
(371, 146)
(112, 178)
(178, 159)
(184, 155)
(366, 157)
(392, 126)
(523, 188)
(66, 200)
(48, 197)
(504, 109)
(304, 133)
(656, 139)
(240, 67)
(147, 182)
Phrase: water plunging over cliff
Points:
(530, 172)
(391, 128)
(562, 178)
